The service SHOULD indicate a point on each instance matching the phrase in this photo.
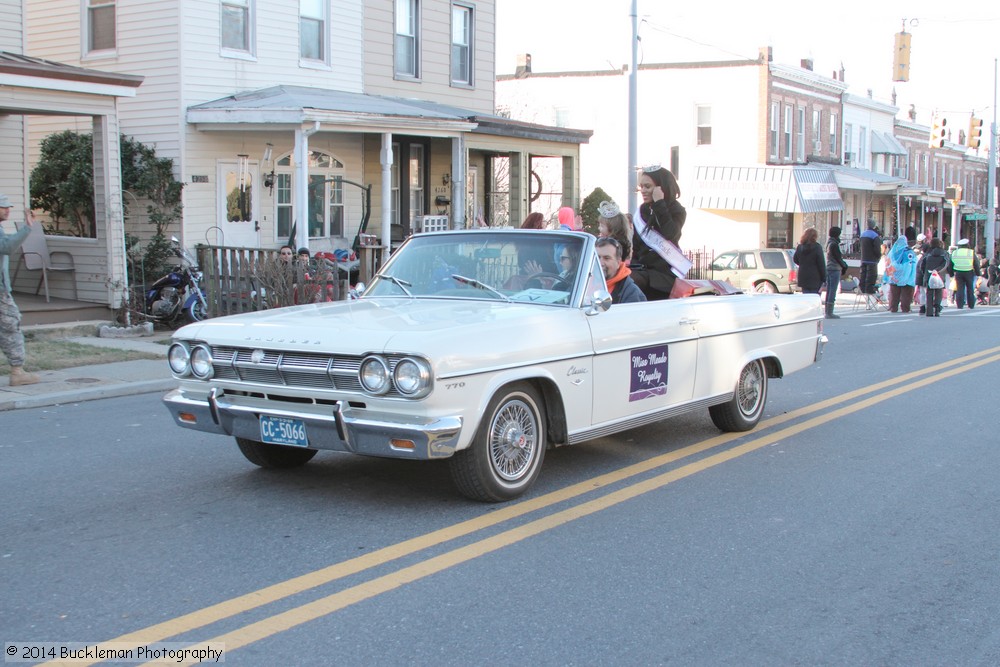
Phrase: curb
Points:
(89, 394)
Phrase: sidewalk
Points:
(86, 383)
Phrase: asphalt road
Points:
(856, 525)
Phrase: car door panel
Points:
(645, 356)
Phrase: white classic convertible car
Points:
(473, 346)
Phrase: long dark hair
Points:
(665, 179)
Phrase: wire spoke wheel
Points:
(513, 440)
(506, 454)
(743, 411)
(749, 390)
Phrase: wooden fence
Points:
(240, 280)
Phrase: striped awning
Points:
(884, 142)
(763, 188)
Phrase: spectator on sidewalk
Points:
(835, 266)
(933, 260)
(809, 256)
(902, 277)
(11, 338)
(870, 254)
(965, 268)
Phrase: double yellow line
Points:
(825, 411)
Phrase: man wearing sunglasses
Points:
(616, 274)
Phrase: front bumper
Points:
(337, 428)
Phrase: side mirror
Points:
(601, 303)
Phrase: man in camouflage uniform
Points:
(11, 338)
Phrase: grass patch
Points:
(55, 354)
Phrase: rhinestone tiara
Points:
(608, 209)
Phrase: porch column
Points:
(520, 188)
(459, 169)
(385, 158)
(301, 221)
(108, 210)
(570, 183)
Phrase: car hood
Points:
(444, 330)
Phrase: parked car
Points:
(766, 270)
(460, 349)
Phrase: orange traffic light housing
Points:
(937, 133)
(974, 138)
(901, 57)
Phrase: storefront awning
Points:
(883, 142)
(760, 188)
(850, 178)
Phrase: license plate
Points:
(283, 431)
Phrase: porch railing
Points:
(240, 280)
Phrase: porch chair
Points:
(35, 256)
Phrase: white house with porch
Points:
(273, 111)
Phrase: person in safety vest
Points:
(965, 268)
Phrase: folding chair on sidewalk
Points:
(875, 301)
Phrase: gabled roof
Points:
(295, 105)
(21, 65)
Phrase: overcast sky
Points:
(954, 44)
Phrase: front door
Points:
(238, 204)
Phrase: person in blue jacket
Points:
(903, 276)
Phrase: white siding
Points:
(11, 34)
(205, 153)
(435, 55)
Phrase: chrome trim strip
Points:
(648, 418)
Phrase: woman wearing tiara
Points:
(612, 223)
(660, 218)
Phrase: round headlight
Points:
(374, 375)
(201, 362)
(179, 359)
(411, 377)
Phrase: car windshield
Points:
(503, 265)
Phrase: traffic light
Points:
(937, 133)
(901, 57)
(972, 140)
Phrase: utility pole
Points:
(631, 201)
(991, 178)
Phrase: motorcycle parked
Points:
(178, 294)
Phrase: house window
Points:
(461, 44)
(862, 157)
(774, 130)
(848, 143)
(704, 125)
(800, 136)
(100, 25)
(312, 29)
(325, 198)
(817, 132)
(833, 135)
(788, 132)
(407, 39)
(237, 26)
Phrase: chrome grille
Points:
(292, 369)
